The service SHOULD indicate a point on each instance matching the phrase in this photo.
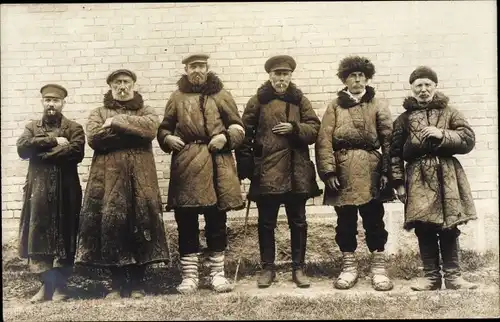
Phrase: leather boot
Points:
(61, 291)
(47, 289)
(136, 281)
(298, 240)
(118, 280)
(349, 275)
(218, 281)
(266, 276)
(429, 253)
(190, 279)
(451, 262)
(267, 248)
(380, 278)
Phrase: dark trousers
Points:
(189, 233)
(132, 275)
(372, 214)
(268, 208)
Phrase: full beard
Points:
(197, 79)
(122, 95)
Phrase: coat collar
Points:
(212, 86)
(64, 122)
(266, 93)
(346, 101)
(134, 104)
(439, 101)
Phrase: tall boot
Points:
(190, 277)
(451, 262)
(298, 240)
(429, 253)
(118, 280)
(136, 281)
(61, 291)
(46, 289)
(380, 278)
(218, 281)
(349, 275)
(267, 248)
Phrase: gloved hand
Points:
(217, 142)
(174, 142)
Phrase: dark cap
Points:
(54, 90)
(127, 72)
(423, 72)
(195, 58)
(351, 64)
(280, 62)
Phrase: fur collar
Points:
(439, 101)
(134, 104)
(212, 86)
(346, 101)
(266, 93)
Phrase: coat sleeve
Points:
(384, 132)
(167, 126)
(144, 126)
(73, 152)
(325, 159)
(101, 139)
(459, 138)
(235, 131)
(307, 129)
(244, 153)
(398, 139)
(29, 145)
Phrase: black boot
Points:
(61, 290)
(118, 280)
(429, 252)
(451, 263)
(136, 281)
(267, 247)
(298, 241)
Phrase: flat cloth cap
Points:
(280, 62)
(117, 72)
(54, 90)
(195, 58)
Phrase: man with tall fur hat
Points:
(201, 127)
(433, 185)
(355, 126)
(280, 125)
(54, 146)
(121, 223)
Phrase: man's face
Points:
(280, 80)
(122, 88)
(52, 106)
(423, 90)
(196, 73)
(356, 82)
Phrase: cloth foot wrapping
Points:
(190, 278)
(218, 281)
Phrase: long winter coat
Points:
(121, 220)
(436, 185)
(351, 134)
(200, 179)
(52, 193)
(278, 164)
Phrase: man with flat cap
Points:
(280, 125)
(356, 124)
(121, 223)
(433, 185)
(54, 146)
(201, 127)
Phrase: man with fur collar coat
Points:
(280, 125)
(201, 127)
(354, 127)
(433, 185)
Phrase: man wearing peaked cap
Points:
(54, 146)
(430, 181)
(280, 125)
(201, 127)
(118, 72)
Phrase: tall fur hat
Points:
(355, 64)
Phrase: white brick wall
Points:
(77, 45)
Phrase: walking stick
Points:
(244, 238)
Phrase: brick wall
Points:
(77, 45)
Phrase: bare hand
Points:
(107, 123)
(217, 143)
(283, 128)
(333, 183)
(401, 193)
(174, 142)
(383, 182)
(432, 132)
(62, 141)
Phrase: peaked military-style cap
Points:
(195, 58)
(53, 90)
(117, 72)
(280, 62)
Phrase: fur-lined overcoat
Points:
(52, 192)
(200, 179)
(278, 164)
(121, 220)
(437, 188)
(348, 142)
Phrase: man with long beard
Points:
(201, 127)
(54, 146)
